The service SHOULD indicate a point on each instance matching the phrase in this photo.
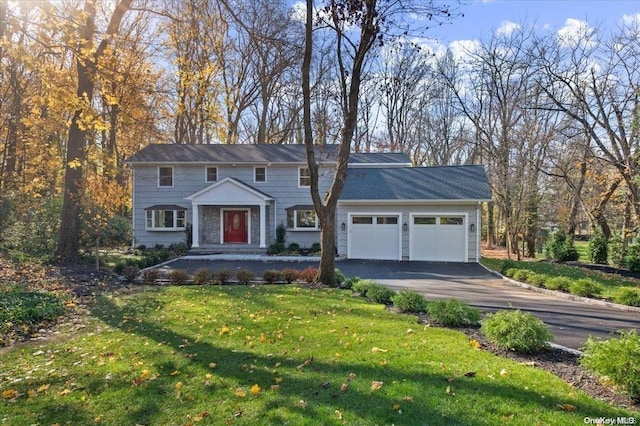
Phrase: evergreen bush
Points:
(597, 248)
(585, 287)
(517, 331)
(453, 313)
(632, 258)
(617, 251)
(616, 358)
(409, 301)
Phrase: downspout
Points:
(133, 208)
(478, 231)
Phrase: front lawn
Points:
(273, 355)
(611, 284)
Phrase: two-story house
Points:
(235, 196)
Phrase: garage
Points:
(374, 236)
(438, 237)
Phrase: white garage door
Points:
(374, 237)
(438, 238)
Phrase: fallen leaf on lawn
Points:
(442, 366)
(255, 390)
(352, 376)
(9, 394)
(43, 388)
(338, 414)
(278, 379)
(504, 373)
(275, 388)
(175, 373)
(326, 384)
(179, 385)
(410, 331)
(224, 330)
(64, 392)
(408, 398)
(241, 393)
(474, 344)
(566, 407)
(212, 365)
(376, 385)
(98, 419)
(344, 387)
(376, 349)
(32, 393)
(448, 391)
(305, 363)
(396, 407)
(470, 374)
(144, 374)
(529, 363)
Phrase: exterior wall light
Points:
(343, 226)
(404, 227)
(472, 227)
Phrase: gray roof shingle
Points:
(417, 183)
(219, 153)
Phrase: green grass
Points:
(582, 247)
(612, 284)
(179, 355)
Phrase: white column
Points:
(195, 226)
(263, 226)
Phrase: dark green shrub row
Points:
(582, 287)
(205, 276)
(560, 247)
(453, 313)
(21, 311)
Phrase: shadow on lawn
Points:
(372, 407)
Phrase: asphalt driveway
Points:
(571, 322)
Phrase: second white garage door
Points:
(440, 238)
(374, 237)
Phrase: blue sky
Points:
(484, 16)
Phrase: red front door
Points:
(235, 226)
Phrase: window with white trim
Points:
(165, 176)
(211, 174)
(173, 220)
(259, 174)
(302, 219)
(304, 177)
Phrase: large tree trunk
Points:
(68, 248)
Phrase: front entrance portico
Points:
(228, 194)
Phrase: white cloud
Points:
(631, 20)
(507, 27)
(575, 32)
(299, 11)
(461, 49)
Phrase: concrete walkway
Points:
(571, 322)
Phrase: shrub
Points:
(130, 272)
(585, 287)
(281, 234)
(179, 276)
(616, 358)
(223, 276)
(202, 276)
(453, 313)
(119, 267)
(409, 301)
(316, 248)
(537, 279)
(272, 276)
(629, 297)
(308, 275)
(276, 248)
(150, 276)
(349, 282)
(517, 331)
(617, 250)
(380, 294)
(597, 248)
(509, 272)
(244, 276)
(362, 286)
(632, 258)
(340, 278)
(520, 275)
(558, 283)
(289, 275)
(559, 247)
(294, 247)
